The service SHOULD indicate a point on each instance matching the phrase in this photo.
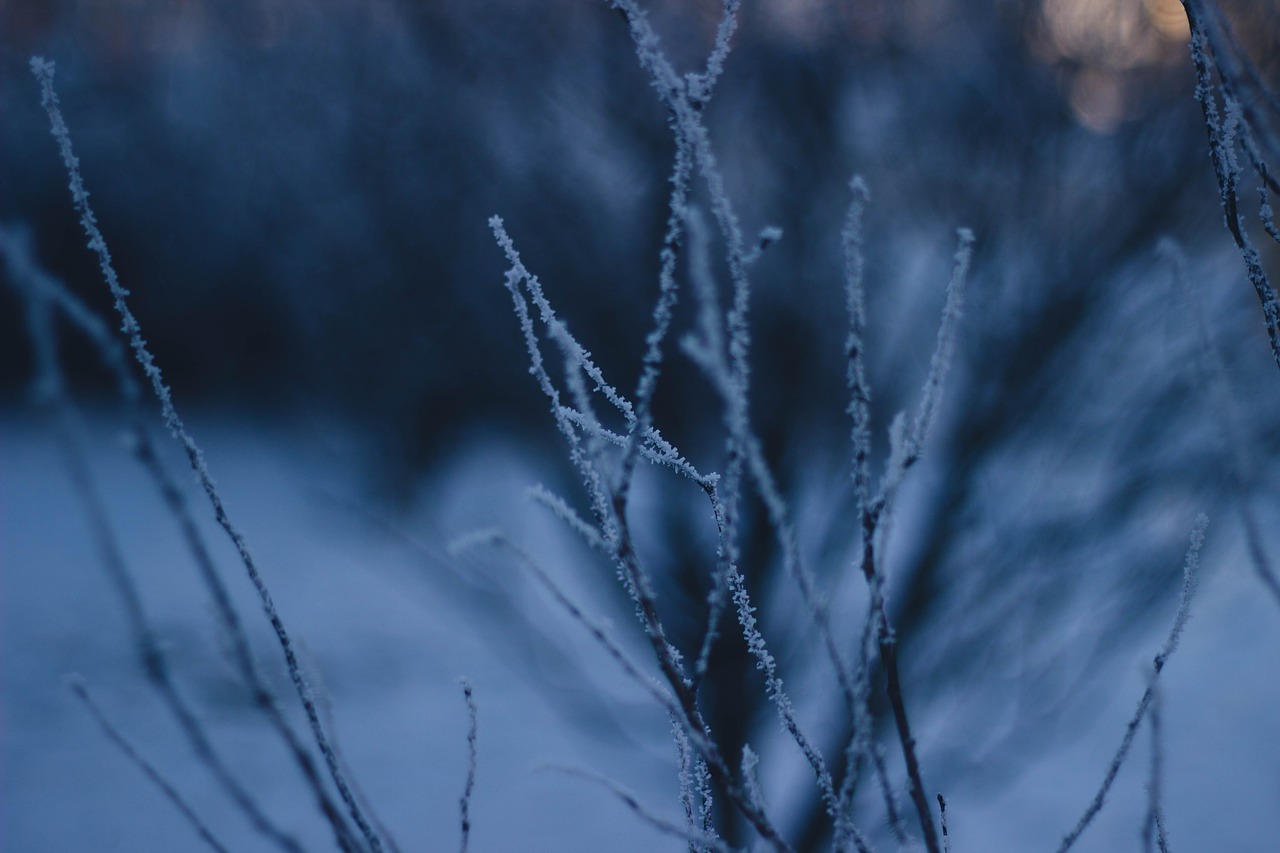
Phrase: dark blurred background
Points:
(298, 192)
(297, 195)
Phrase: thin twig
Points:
(1154, 830)
(44, 72)
(78, 686)
(1224, 131)
(1189, 577)
(907, 446)
(144, 448)
(631, 801)
(610, 508)
(42, 293)
(1240, 464)
(465, 802)
(942, 816)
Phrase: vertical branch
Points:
(171, 793)
(1154, 831)
(709, 352)
(1190, 572)
(889, 658)
(1223, 133)
(42, 294)
(1240, 463)
(684, 772)
(609, 506)
(942, 815)
(44, 72)
(706, 349)
(464, 803)
(699, 88)
(668, 294)
(680, 703)
(859, 408)
(907, 446)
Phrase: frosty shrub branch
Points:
(872, 790)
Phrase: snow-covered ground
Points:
(387, 629)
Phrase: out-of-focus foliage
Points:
(298, 191)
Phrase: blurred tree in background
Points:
(297, 194)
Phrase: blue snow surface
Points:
(387, 622)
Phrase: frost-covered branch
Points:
(464, 803)
(1236, 124)
(1241, 467)
(907, 444)
(43, 295)
(1190, 572)
(44, 73)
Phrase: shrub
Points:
(610, 437)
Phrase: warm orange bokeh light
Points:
(1117, 34)
(1105, 40)
(1169, 18)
